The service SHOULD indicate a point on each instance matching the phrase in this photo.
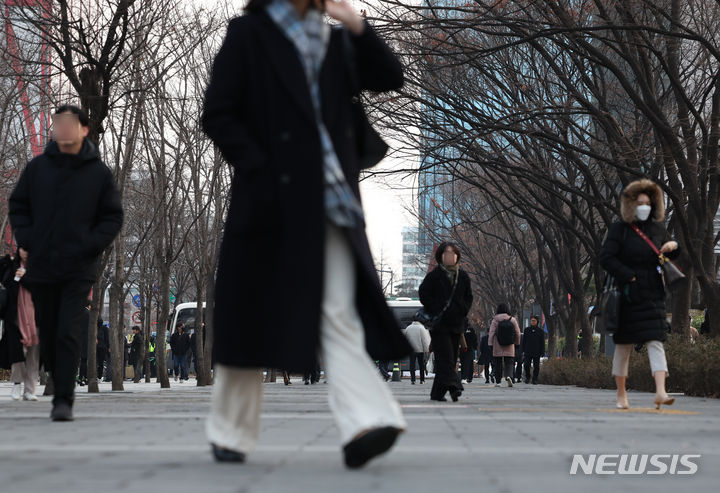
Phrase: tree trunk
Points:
(117, 346)
(162, 323)
(96, 307)
(680, 300)
(200, 374)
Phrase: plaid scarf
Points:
(311, 37)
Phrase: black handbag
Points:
(609, 303)
(430, 321)
(3, 298)
(371, 148)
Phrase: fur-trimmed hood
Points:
(629, 196)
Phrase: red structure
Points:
(36, 117)
(31, 115)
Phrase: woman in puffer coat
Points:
(636, 269)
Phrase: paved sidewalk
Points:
(495, 439)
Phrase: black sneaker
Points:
(61, 411)
(227, 455)
(375, 442)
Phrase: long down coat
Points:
(259, 113)
(625, 255)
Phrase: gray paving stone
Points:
(493, 440)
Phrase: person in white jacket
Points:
(419, 339)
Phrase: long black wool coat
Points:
(259, 113)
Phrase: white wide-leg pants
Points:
(358, 398)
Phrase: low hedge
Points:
(694, 369)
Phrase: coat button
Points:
(285, 179)
(285, 137)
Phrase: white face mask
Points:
(643, 212)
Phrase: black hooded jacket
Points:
(65, 210)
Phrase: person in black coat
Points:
(11, 349)
(103, 346)
(279, 107)
(136, 353)
(485, 358)
(83, 336)
(65, 210)
(180, 345)
(533, 348)
(517, 374)
(627, 257)
(435, 291)
(467, 358)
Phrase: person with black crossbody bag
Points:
(637, 253)
(446, 296)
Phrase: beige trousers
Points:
(27, 371)
(358, 398)
(621, 358)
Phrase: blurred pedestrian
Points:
(298, 142)
(65, 210)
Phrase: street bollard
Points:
(396, 376)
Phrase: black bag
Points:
(371, 148)
(430, 321)
(3, 298)
(609, 304)
(505, 332)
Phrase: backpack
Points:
(506, 332)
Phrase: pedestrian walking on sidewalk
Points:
(136, 355)
(180, 345)
(467, 357)
(419, 339)
(440, 299)
(485, 359)
(630, 255)
(19, 345)
(504, 335)
(533, 344)
(518, 363)
(65, 210)
(281, 107)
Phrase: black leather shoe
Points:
(373, 443)
(455, 395)
(226, 455)
(61, 411)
